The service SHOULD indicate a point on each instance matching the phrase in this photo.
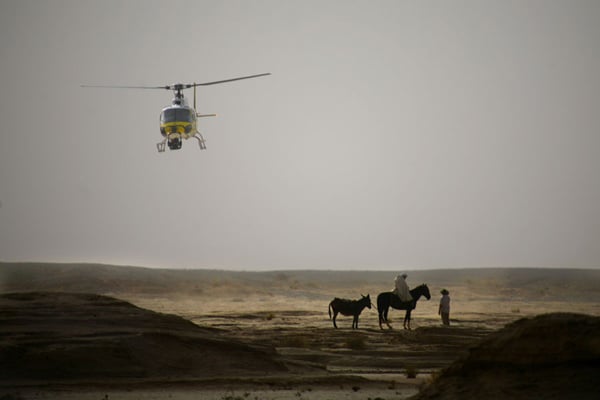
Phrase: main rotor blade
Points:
(228, 80)
(125, 87)
(175, 86)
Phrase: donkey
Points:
(349, 307)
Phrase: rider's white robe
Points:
(401, 290)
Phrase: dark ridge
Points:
(75, 336)
(551, 356)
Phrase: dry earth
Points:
(551, 356)
(285, 314)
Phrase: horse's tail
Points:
(330, 310)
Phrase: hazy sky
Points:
(392, 134)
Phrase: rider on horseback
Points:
(401, 288)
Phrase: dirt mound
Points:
(549, 356)
(70, 337)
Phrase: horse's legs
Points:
(407, 319)
(385, 314)
(335, 313)
(355, 322)
(381, 312)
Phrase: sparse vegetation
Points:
(356, 343)
(411, 372)
(295, 341)
(434, 376)
(10, 396)
(232, 397)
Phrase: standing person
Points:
(444, 309)
(401, 288)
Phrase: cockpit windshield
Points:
(176, 114)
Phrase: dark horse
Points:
(386, 300)
(349, 307)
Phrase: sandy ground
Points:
(332, 393)
(290, 314)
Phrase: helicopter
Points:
(179, 121)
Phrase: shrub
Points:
(295, 341)
(411, 372)
(356, 343)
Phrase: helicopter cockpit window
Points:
(177, 114)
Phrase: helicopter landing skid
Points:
(161, 146)
(198, 136)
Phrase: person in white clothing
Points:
(401, 288)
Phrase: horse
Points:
(349, 307)
(386, 300)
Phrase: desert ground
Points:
(209, 334)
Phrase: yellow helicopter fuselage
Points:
(177, 122)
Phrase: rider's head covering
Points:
(444, 291)
(404, 275)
